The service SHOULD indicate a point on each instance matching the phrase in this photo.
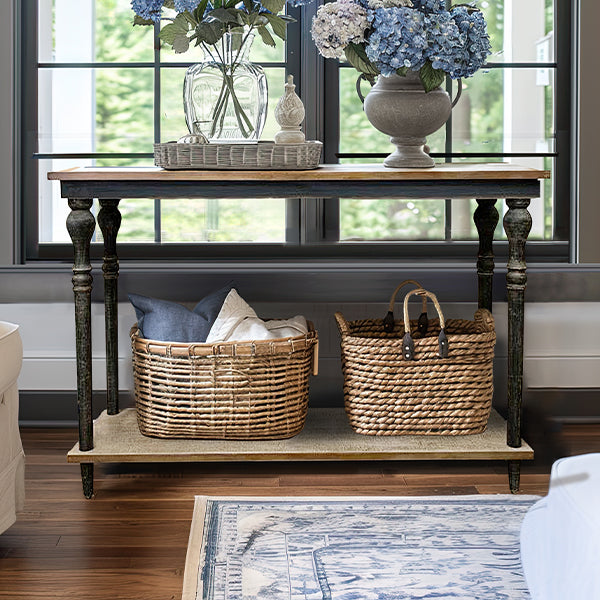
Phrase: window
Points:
(104, 91)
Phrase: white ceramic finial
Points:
(289, 113)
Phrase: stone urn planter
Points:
(12, 487)
(399, 107)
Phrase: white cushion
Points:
(560, 535)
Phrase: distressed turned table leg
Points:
(486, 218)
(81, 225)
(109, 220)
(517, 224)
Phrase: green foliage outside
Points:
(125, 123)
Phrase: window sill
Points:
(301, 281)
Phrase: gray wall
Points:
(569, 360)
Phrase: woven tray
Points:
(435, 380)
(229, 390)
(251, 155)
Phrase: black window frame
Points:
(312, 227)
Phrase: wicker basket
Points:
(238, 155)
(436, 381)
(230, 390)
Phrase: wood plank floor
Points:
(129, 542)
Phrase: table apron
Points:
(483, 189)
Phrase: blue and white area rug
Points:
(450, 547)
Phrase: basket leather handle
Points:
(408, 346)
(388, 321)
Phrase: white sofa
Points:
(560, 535)
(12, 459)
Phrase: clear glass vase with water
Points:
(225, 96)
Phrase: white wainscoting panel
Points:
(562, 340)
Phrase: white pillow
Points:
(237, 321)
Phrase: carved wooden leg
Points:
(486, 218)
(517, 224)
(514, 475)
(80, 225)
(87, 479)
(109, 220)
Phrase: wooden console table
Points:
(116, 437)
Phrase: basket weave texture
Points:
(230, 390)
(238, 155)
(387, 394)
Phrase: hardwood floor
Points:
(129, 542)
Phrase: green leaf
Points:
(470, 8)
(248, 5)
(223, 15)
(199, 11)
(267, 38)
(402, 71)
(177, 28)
(274, 6)
(137, 20)
(278, 25)
(240, 16)
(189, 17)
(169, 4)
(431, 78)
(256, 20)
(209, 32)
(357, 57)
(168, 33)
(181, 44)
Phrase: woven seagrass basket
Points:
(230, 390)
(432, 377)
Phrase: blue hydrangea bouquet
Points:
(204, 22)
(390, 37)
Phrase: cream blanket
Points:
(237, 321)
(12, 460)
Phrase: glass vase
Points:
(225, 95)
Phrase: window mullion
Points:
(157, 103)
(448, 159)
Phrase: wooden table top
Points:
(372, 173)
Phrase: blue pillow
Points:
(166, 321)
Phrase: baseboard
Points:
(580, 405)
(591, 420)
(27, 424)
(59, 409)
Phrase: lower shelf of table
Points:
(326, 436)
